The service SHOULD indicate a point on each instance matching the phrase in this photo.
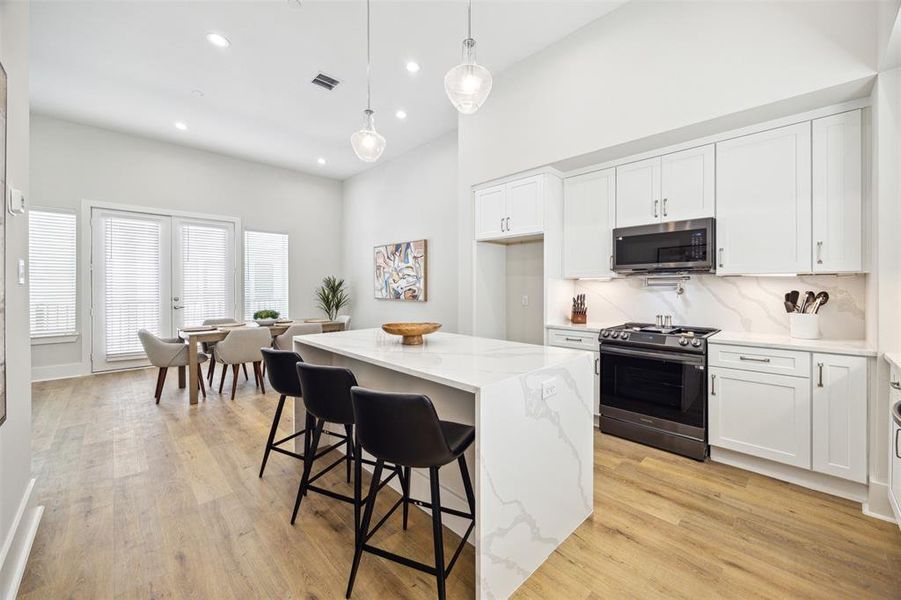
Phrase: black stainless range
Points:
(654, 386)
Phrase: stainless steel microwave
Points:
(673, 247)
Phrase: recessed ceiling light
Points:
(320, 160)
(218, 40)
(181, 126)
(413, 66)
(401, 114)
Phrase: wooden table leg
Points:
(181, 378)
(192, 371)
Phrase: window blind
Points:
(265, 272)
(51, 258)
(132, 278)
(205, 273)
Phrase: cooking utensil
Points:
(807, 302)
(821, 299)
(789, 307)
(793, 297)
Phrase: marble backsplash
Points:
(752, 304)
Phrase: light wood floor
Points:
(146, 501)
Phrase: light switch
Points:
(21, 271)
(548, 388)
(525, 300)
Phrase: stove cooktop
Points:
(682, 338)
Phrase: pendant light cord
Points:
(469, 21)
(369, 61)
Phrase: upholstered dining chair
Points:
(242, 346)
(165, 353)
(285, 341)
(210, 347)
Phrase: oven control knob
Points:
(605, 333)
(683, 341)
(696, 343)
(625, 335)
(614, 335)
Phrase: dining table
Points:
(197, 335)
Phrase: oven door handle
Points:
(653, 354)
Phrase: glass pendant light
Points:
(368, 143)
(468, 84)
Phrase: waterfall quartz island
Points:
(532, 461)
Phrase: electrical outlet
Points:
(525, 300)
(548, 388)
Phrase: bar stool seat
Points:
(405, 430)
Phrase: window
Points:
(265, 272)
(207, 273)
(51, 257)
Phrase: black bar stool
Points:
(404, 429)
(326, 396)
(283, 379)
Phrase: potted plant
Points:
(265, 317)
(331, 296)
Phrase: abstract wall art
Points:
(401, 271)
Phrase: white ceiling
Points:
(142, 66)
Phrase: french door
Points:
(155, 272)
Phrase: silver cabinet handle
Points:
(721, 257)
(754, 359)
(897, 453)
(819, 253)
(713, 385)
(895, 384)
(508, 223)
(597, 366)
(664, 207)
(569, 339)
(611, 262)
(502, 223)
(656, 204)
(820, 367)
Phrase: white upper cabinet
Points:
(510, 210)
(763, 202)
(688, 184)
(638, 193)
(491, 212)
(837, 193)
(589, 214)
(839, 416)
(525, 209)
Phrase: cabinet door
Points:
(894, 443)
(589, 213)
(763, 202)
(760, 414)
(839, 416)
(687, 184)
(837, 194)
(491, 212)
(525, 208)
(638, 193)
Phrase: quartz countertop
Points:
(464, 362)
(785, 342)
(894, 359)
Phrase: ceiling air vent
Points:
(324, 81)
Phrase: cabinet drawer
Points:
(762, 360)
(581, 340)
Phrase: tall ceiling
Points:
(142, 66)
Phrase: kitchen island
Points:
(532, 461)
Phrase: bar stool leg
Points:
(349, 431)
(405, 487)
(467, 485)
(307, 467)
(364, 526)
(437, 531)
(272, 432)
(358, 488)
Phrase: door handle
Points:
(897, 433)
(721, 258)
(664, 206)
(508, 223)
(713, 385)
(819, 253)
(177, 307)
(895, 384)
(656, 204)
(820, 367)
(597, 366)
(502, 223)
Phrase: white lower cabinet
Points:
(839, 416)
(581, 340)
(760, 414)
(894, 443)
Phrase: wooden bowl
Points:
(412, 332)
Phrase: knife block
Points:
(579, 318)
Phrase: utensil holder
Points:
(804, 326)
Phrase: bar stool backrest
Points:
(282, 372)
(326, 392)
(400, 428)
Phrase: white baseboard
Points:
(63, 371)
(17, 546)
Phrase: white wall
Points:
(71, 162)
(655, 67)
(17, 518)
(525, 277)
(411, 197)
